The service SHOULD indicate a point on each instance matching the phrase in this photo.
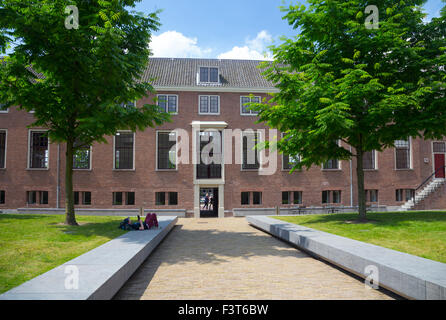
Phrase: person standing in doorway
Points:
(206, 202)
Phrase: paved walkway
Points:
(229, 259)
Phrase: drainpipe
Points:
(351, 180)
(58, 177)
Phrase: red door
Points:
(439, 163)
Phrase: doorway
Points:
(439, 151)
(439, 160)
(208, 202)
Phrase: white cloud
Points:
(255, 49)
(173, 44)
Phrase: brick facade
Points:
(102, 180)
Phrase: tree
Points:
(342, 79)
(80, 79)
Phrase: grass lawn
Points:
(419, 233)
(33, 244)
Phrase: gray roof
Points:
(182, 72)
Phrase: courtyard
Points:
(208, 259)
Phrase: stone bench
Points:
(101, 271)
(409, 276)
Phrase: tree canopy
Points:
(81, 78)
(342, 79)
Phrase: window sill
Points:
(37, 169)
(166, 170)
(408, 169)
(331, 170)
(124, 170)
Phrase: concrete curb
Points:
(405, 274)
(101, 272)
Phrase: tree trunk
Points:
(360, 178)
(70, 218)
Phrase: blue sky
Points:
(224, 29)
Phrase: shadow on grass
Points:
(89, 225)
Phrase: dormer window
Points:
(209, 75)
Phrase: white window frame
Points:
(209, 105)
(250, 114)
(260, 159)
(167, 102)
(176, 151)
(410, 156)
(29, 151)
(6, 147)
(375, 162)
(339, 168)
(114, 150)
(209, 75)
(90, 164)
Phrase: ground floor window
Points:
(256, 197)
(371, 195)
(404, 194)
(291, 197)
(171, 197)
(83, 197)
(34, 197)
(331, 196)
(120, 198)
(2, 196)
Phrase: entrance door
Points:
(209, 206)
(439, 165)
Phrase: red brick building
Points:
(141, 169)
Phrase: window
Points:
(404, 194)
(209, 105)
(117, 198)
(250, 154)
(245, 197)
(34, 197)
(160, 198)
(337, 196)
(286, 197)
(297, 197)
(130, 198)
(209, 75)
(85, 195)
(244, 109)
(2, 108)
(325, 196)
(31, 197)
(2, 149)
(331, 196)
(2, 196)
(124, 143)
(439, 147)
(168, 103)
(331, 164)
(402, 154)
(173, 198)
(38, 150)
(368, 160)
(371, 195)
(256, 198)
(289, 161)
(81, 158)
(166, 150)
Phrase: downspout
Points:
(58, 177)
(351, 180)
